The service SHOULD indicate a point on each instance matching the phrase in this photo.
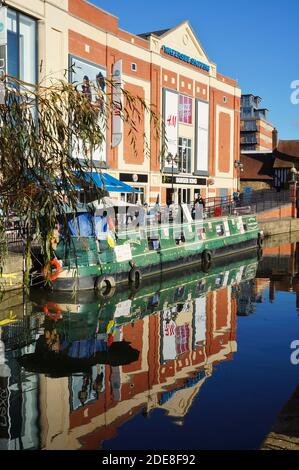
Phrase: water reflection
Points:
(76, 369)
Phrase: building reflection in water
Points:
(90, 364)
(278, 271)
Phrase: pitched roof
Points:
(287, 154)
(155, 33)
(285, 161)
(289, 147)
(257, 167)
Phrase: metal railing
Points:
(265, 200)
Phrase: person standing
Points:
(199, 206)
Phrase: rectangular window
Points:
(89, 78)
(134, 198)
(21, 47)
(153, 244)
(185, 155)
(185, 109)
(248, 126)
(220, 230)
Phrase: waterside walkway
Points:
(285, 432)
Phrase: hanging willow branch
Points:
(42, 132)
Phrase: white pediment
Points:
(183, 39)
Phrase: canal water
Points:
(193, 361)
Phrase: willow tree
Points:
(42, 131)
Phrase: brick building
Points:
(169, 69)
(257, 133)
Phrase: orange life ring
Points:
(52, 311)
(55, 263)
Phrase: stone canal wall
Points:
(279, 226)
(12, 276)
(281, 212)
(285, 432)
(277, 221)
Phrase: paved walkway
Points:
(285, 432)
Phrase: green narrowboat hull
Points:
(81, 315)
(91, 259)
(89, 329)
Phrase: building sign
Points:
(123, 309)
(117, 122)
(89, 78)
(185, 58)
(123, 253)
(184, 180)
(202, 138)
(170, 116)
(129, 177)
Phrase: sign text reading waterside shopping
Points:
(185, 58)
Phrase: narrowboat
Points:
(87, 311)
(86, 329)
(125, 256)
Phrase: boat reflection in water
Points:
(98, 362)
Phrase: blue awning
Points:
(108, 182)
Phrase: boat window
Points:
(153, 302)
(180, 240)
(201, 233)
(245, 227)
(219, 280)
(201, 286)
(179, 292)
(153, 244)
(220, 230)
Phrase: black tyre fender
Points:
(206, 257)
(105, 285)
(260, 240)
(135, 276)
(206, 261)
(259, 254)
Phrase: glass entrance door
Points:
(184, 196)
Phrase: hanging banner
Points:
(170, 116)
(117, 122)
(168, 336)
(202, 138)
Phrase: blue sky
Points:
(254, 41)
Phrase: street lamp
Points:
(293, 190)
(172, 159)
(240, 167)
